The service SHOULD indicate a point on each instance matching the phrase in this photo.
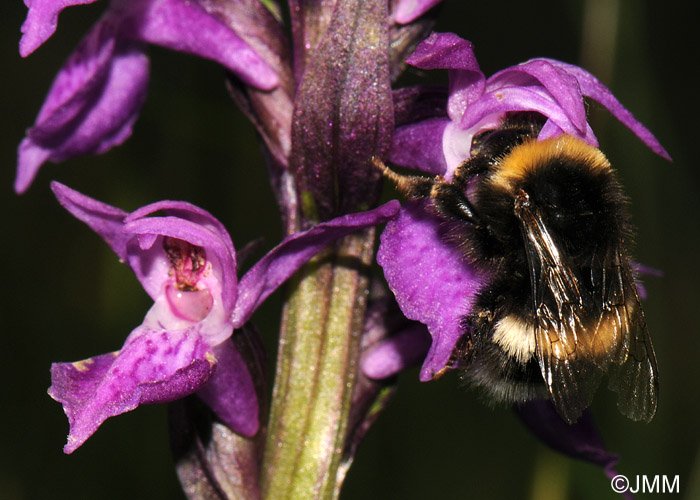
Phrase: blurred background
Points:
(66, 296)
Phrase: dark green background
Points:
(65, 296)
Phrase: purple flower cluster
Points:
(309, 111)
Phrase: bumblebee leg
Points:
(468, 169)
(447, 197)
(452, 204)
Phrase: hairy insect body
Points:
(546, 220)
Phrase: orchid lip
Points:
(190, 305)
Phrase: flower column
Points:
(342, 116)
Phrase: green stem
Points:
(316, 368)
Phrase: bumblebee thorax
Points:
(569, 185)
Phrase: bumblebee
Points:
(547, 222)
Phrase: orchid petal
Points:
(419, 146)
(448, 51)
(187, 27)
(407, 11)
(593, 88)
(188, 211)
(580, 440)
(551, 129)
(91, 105)
(230, 392)
(154, 366)
(456, 146)
(295, 250)
(561, 85)
(420, 119)
(106, 220)
(432, 281)
(508, 99)
(396, 353)
(41, 22)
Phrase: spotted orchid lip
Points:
(431, 280)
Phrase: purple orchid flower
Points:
(552, 88)
(428, 274)
(186, 262)
(97, 95)
(432, 281)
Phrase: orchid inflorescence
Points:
(324, 102)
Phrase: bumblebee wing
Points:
(563, 339)
(633, 372)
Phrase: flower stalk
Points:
(316, 372)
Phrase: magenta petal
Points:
(407, 11)
(396, 353)
(91, 105)
(551, 129)
(641, 269)
(184, 210)
(84, 72)
(287, 257)
(230, 392)
(507, 99)
(187, 27)
(432, 281)
(105, 220)
(419, 146)
(444, 51)
(580, 440)
(152, 367)
(41, 22)
(591, 87)
(448, 51)
(559, 83)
